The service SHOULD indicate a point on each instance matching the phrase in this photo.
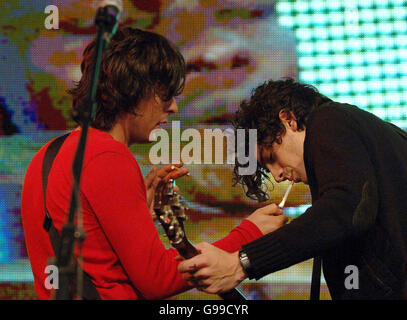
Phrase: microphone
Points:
(108, 15)
(106, 20)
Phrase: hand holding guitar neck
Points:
(170, 210)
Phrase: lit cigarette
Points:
(282, 203)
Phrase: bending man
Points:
(355, 166)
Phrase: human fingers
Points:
(191, 265)
(155, 183)
(176, 174)
(179, 258)
(150, 177)
(189, 279)
(271, 209)
(283, 218)
(169, 168)
(194, 264)
(199, 275)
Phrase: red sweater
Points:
(122, 250)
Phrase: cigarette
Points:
(282, 203)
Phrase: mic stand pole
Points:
(65, 258)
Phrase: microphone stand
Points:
(65, 258)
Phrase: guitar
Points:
(170, 210)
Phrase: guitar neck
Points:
(187, 251)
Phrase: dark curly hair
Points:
(261, 112)
(135, 65)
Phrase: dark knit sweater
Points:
(346, 148)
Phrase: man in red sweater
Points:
(141, 74)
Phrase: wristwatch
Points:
(245, 262)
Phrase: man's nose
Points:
(277, 172)
(173, 107)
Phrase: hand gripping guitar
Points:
(170, 210)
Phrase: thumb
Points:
(148, 180)
(179, 258)
(271, 209)
(156, 182)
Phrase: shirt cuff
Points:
(249, 230)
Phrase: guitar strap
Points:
(89, 289)
(316, 279)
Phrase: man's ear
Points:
(288, 119)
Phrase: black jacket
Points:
(356, 166)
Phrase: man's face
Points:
(285, 161)
(151, 113)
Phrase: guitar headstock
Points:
(170, 209)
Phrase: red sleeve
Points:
(117, 195)
(114, 187)
(246, 232)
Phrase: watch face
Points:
(244, 262)
(244, 259)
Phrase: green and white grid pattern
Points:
(353, 51)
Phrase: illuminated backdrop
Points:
(352, 51)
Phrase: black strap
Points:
(47, 162)
(89, 289)
(316, 279)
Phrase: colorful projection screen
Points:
(352, 51)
